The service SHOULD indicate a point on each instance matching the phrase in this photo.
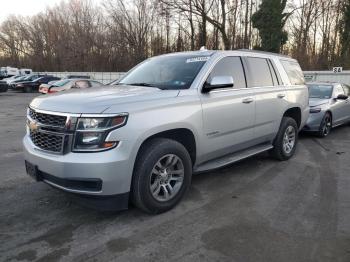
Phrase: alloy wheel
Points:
(167, 177)
(289, 139)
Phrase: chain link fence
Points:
(327, 76)
(103, 77)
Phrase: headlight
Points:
(91, 132)
(315, 110)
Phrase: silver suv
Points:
(169, 117)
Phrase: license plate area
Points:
(32, 171)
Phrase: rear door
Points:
(270, 94)
(228, 113)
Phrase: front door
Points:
(340, 107)
(228, 113)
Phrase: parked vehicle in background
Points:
(170, 116)
(33, 86)
(4, 84)
(25, 71)
(21, 79)
(77, 76)
(8, 71)
(66, 84)
(11, 78)
(329, 107)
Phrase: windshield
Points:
(166, 72)
(320, 91)
(61, 82)
(31, 77)
(20, 78)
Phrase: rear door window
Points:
(95, 84)
(82, 84)
(260, 72)
(230, 66)
(338, 90)
(346, 89)
(294, 72)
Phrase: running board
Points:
(232, 158)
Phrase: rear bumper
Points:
(313, 122)
(304, 117)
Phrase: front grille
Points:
(48, 142)
(46, 119)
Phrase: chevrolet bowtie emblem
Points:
(33, 126)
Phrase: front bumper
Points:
(313, 122)
(109, 172)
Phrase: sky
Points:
(25, 7)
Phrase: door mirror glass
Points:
(217, 82)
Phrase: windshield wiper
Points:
(141, 84)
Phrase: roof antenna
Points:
(203, 48)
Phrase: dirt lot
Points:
(256, 210)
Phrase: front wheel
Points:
(162, 175)
(286, 140)
(325, 126)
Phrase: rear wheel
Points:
(286, 140)
(162, 175)
(325, 126)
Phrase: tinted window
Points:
(95, 84)
(346, 89)
(320, 91)
(230, 66)
(294, 72)
(61, 82)
(338, 90)
(260, 71)
(82, 84)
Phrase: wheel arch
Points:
(184, 136)
(329, 112)
(295, 113)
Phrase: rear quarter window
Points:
(294, 72)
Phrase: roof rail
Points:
(263, 52)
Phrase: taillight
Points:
(51, 91)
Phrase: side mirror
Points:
(342, 97)
(218, 82)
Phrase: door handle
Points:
(281, 96)
(247, 100)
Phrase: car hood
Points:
(318, 101)
(97, 100)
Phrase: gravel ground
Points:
(256, 210)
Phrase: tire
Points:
(325, 126)
(149, 176)
(27, 89)
(280, 151)
(3, 89)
